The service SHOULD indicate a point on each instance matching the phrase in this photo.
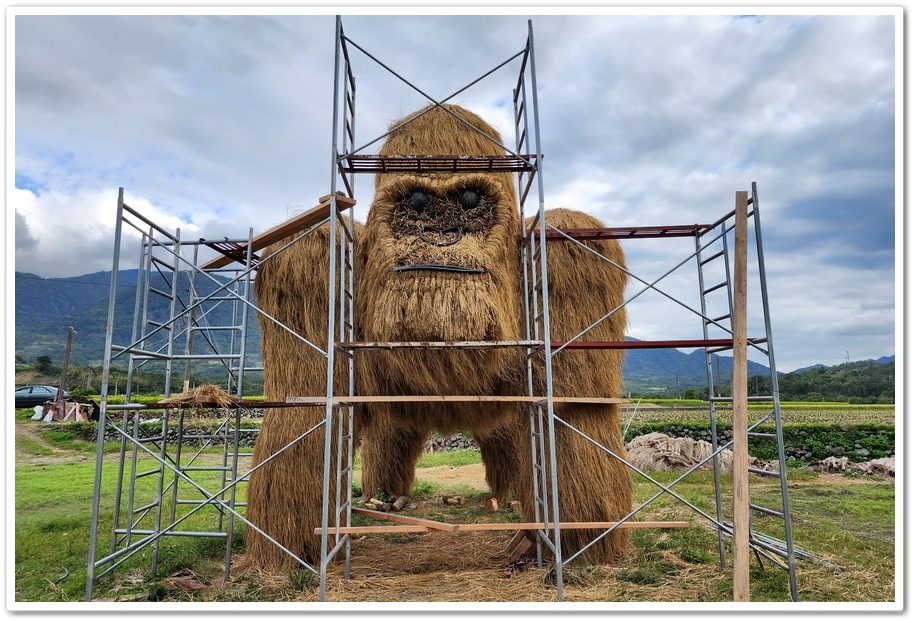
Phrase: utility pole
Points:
(63, 368)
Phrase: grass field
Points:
(844, 534)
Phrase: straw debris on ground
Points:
(205, 395)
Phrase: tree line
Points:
(858, 382)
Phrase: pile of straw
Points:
(205, 395)
(661, 453)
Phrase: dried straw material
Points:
(284, 492)
(205, 395)
(435, 305)
(582, 289)
(659, 452)
(469, 223)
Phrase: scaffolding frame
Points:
(138, 527)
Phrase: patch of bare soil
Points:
(37, 451)
(466, 475)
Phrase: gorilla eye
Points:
(418, 200)
(468, 199)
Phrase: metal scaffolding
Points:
(184, 309)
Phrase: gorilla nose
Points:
(441, 237)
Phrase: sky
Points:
(218, 123)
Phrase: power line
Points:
(73, 280)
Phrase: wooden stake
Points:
(740, 491)
(525, 547)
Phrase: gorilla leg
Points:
(389, 454)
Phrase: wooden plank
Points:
(574, 525)
(345, 400)
(518, 538)
(524, 547)
(476, 527)
(442, 345)
(556, 344)
(741, 485)
(287, 228)
(416, 521)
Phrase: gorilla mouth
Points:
(446, 268)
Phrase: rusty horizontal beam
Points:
(623, 233)
(355, 163)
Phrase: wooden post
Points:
(63, 368)
(740, 497)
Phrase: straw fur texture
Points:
(439, 259)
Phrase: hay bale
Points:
(842, 465)
(880, 467)
(833, 465)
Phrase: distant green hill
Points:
(83, 303)
(47, 308)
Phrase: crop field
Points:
(792, 413)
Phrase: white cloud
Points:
(218, 124)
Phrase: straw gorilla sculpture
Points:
(439, 259)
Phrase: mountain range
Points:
(46, 309)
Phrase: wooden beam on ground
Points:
(740, 491)
(416, 521)
(520, 545)
(476, 527)
(287, 228)
(345, 400)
